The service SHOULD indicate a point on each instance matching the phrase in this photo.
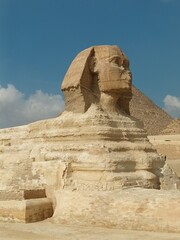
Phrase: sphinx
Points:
(94, 144)
(98, 85)
(94, 162)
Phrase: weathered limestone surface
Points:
(85, 158)
(139, 209)
(175, 166)
(171, 179)
(93, 150)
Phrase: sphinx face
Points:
(113, 71)
(97, 72)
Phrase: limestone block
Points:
(21, 194)
(169, 179)
(38, 210)
(138, 209)
(31, 210)
(13, 211)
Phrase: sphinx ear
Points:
(93, 64)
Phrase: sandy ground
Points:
(169, 146)
(175, 138)
(48, 231)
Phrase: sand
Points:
(47, 231)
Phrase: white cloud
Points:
(172, 105)
(16, 109)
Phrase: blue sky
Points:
(40, 38)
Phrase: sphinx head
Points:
(112, 68)
(99, 75)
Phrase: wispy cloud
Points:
(16, 109)
(172, 105)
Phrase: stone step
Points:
(22, 194)
(27, 210)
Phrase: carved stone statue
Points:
(98, 75)
(98, 84)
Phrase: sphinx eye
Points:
(125, 64)
(115, 60)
